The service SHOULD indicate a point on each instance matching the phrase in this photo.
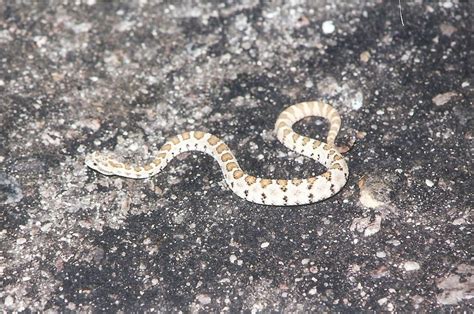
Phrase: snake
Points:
(265, 191)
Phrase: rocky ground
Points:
(82, 77)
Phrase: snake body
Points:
(265, 191)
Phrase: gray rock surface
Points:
(122, 77)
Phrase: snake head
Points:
(99, 163)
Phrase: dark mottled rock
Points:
(10, 190)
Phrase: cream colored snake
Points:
(268, 191)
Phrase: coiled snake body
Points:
(280, 192)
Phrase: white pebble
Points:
(429, 183)
(328, 27)
(410, 266)
(313, 291)
(232, 258)
(394, 242)
(447, 5)
(264, 245)
(373, 227)
(382, 301)
(357, 101)
(458, 221)
(9, 301)
(20, 241)
(381, 254)
(365, 56)
(203, 298)
(46, 227)
(442, 99)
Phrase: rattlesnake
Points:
(280, 192)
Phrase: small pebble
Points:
(382, 301)
(203, 299)
(264, 245)
(429, 183)
(46, 227)
(365, 56)
(458, 221)
(328, 27)
(373, 227)
(313, 269)
(381, 254)
(9, 301)
(357, 101)
(447, 5)
(442, 99)
(313, 291)
(361, 134)
(394, 242)
(447, 29)
(410, 266)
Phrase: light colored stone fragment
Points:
(442, 99)
(365, 56)
(328, 27)
(203, 299)
(411, 266)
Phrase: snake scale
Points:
(281, 192)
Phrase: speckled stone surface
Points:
(123, 77)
